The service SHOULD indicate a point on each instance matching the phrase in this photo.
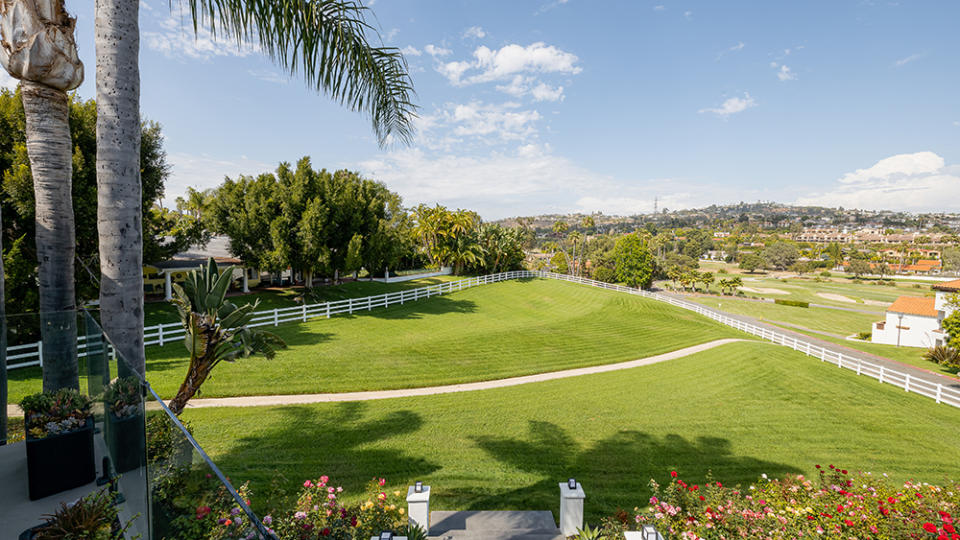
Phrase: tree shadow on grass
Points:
(278, 458)
(615, 472)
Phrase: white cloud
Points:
(436, 51)
(268, 75)
(391, 34)
(904, 61)
(145, 6)
(659, 8)
(474, 32)
(688, 14)
(490, 123)
(914, 182)
(785, 74)
(176, 39)
(525, 179)
(508, 61)
(6, 81)
(732, 106)
(550, 5)
(205, 171)
(520, 86)
(410, 50)
(542, 92)
(732, 49)
(956, 122)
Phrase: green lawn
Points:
(907, 355)
(165, 312)
(487, 332)
(824, 319)
(737, 411)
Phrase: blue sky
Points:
(554, 106)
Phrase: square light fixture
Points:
(572, 483)
(386, 535)
(418, 487)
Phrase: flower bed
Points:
(837, 504)
(55, 413)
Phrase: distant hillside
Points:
(765, 215)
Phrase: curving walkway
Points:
(298, 399)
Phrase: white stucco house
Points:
(915, 322)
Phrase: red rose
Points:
(325, 531)
(929, 527)
(949, 528)
(673, 474)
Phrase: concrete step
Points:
(489, 525)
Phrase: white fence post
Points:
(276, 317)
(304, 312)
(906, 383)
(939, 392)
(881, 375)
(328, 310)
(160, 334)
(40, 352)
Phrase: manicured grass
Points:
(907, 355)
(487, 332)
(165, 312)
(737, 411)
(824, 319)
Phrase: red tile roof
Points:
(950, 286)
(914, 305)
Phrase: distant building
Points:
(159, 276)
(915, 322)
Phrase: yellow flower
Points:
(396, 493)
(401, 511)
(391, 507)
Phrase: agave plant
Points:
(216, 329)
(586, 533)
(947, 357)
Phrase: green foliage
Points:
(947, 357)
(559, 263)
(332, 45)
(381, 511)
(160, 235)
(858, 267)
(124, 396)
(752, 262)
(412, 532)
(825, 274)
(781, 255)
(795, 303)
(93, 517)
(586, 533)
(164, 438)
(951, 325)
(605, 274)
(189, 502)
(633, 262)
(865, 336)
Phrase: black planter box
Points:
(126, 438)
(60, 462)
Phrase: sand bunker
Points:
(836, 297)
(876, 303)
(763, 290)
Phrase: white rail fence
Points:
(164, 333)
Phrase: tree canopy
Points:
(633, 262)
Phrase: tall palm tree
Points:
(3, 350)
(329, 42)
(37, 47)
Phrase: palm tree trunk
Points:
(119, 201)
(197, 374)
(49, 147)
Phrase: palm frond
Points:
(328, 41)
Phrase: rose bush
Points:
(836, 504)
(319, 514)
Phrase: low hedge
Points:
(795, 303)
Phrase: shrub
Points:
(191, 503)
(164, 439)
(825, 274)
(319, 513)
(605, 274)
(795, 303)
(838, 505)
(124, 396)
(50, 413)
(865, 336)
(93, 517)
(947, 357)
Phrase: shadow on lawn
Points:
(343, 445)
(435, 305)
(615, 472)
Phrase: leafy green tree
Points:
(243, 210)
(354, 259)
(781, 255)
(858, 267)
(951, 259)
(752, 262)
(216, 329)
(633, 262)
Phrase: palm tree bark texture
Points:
(119, 219)
(37, 47)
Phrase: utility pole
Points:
(656, 203)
